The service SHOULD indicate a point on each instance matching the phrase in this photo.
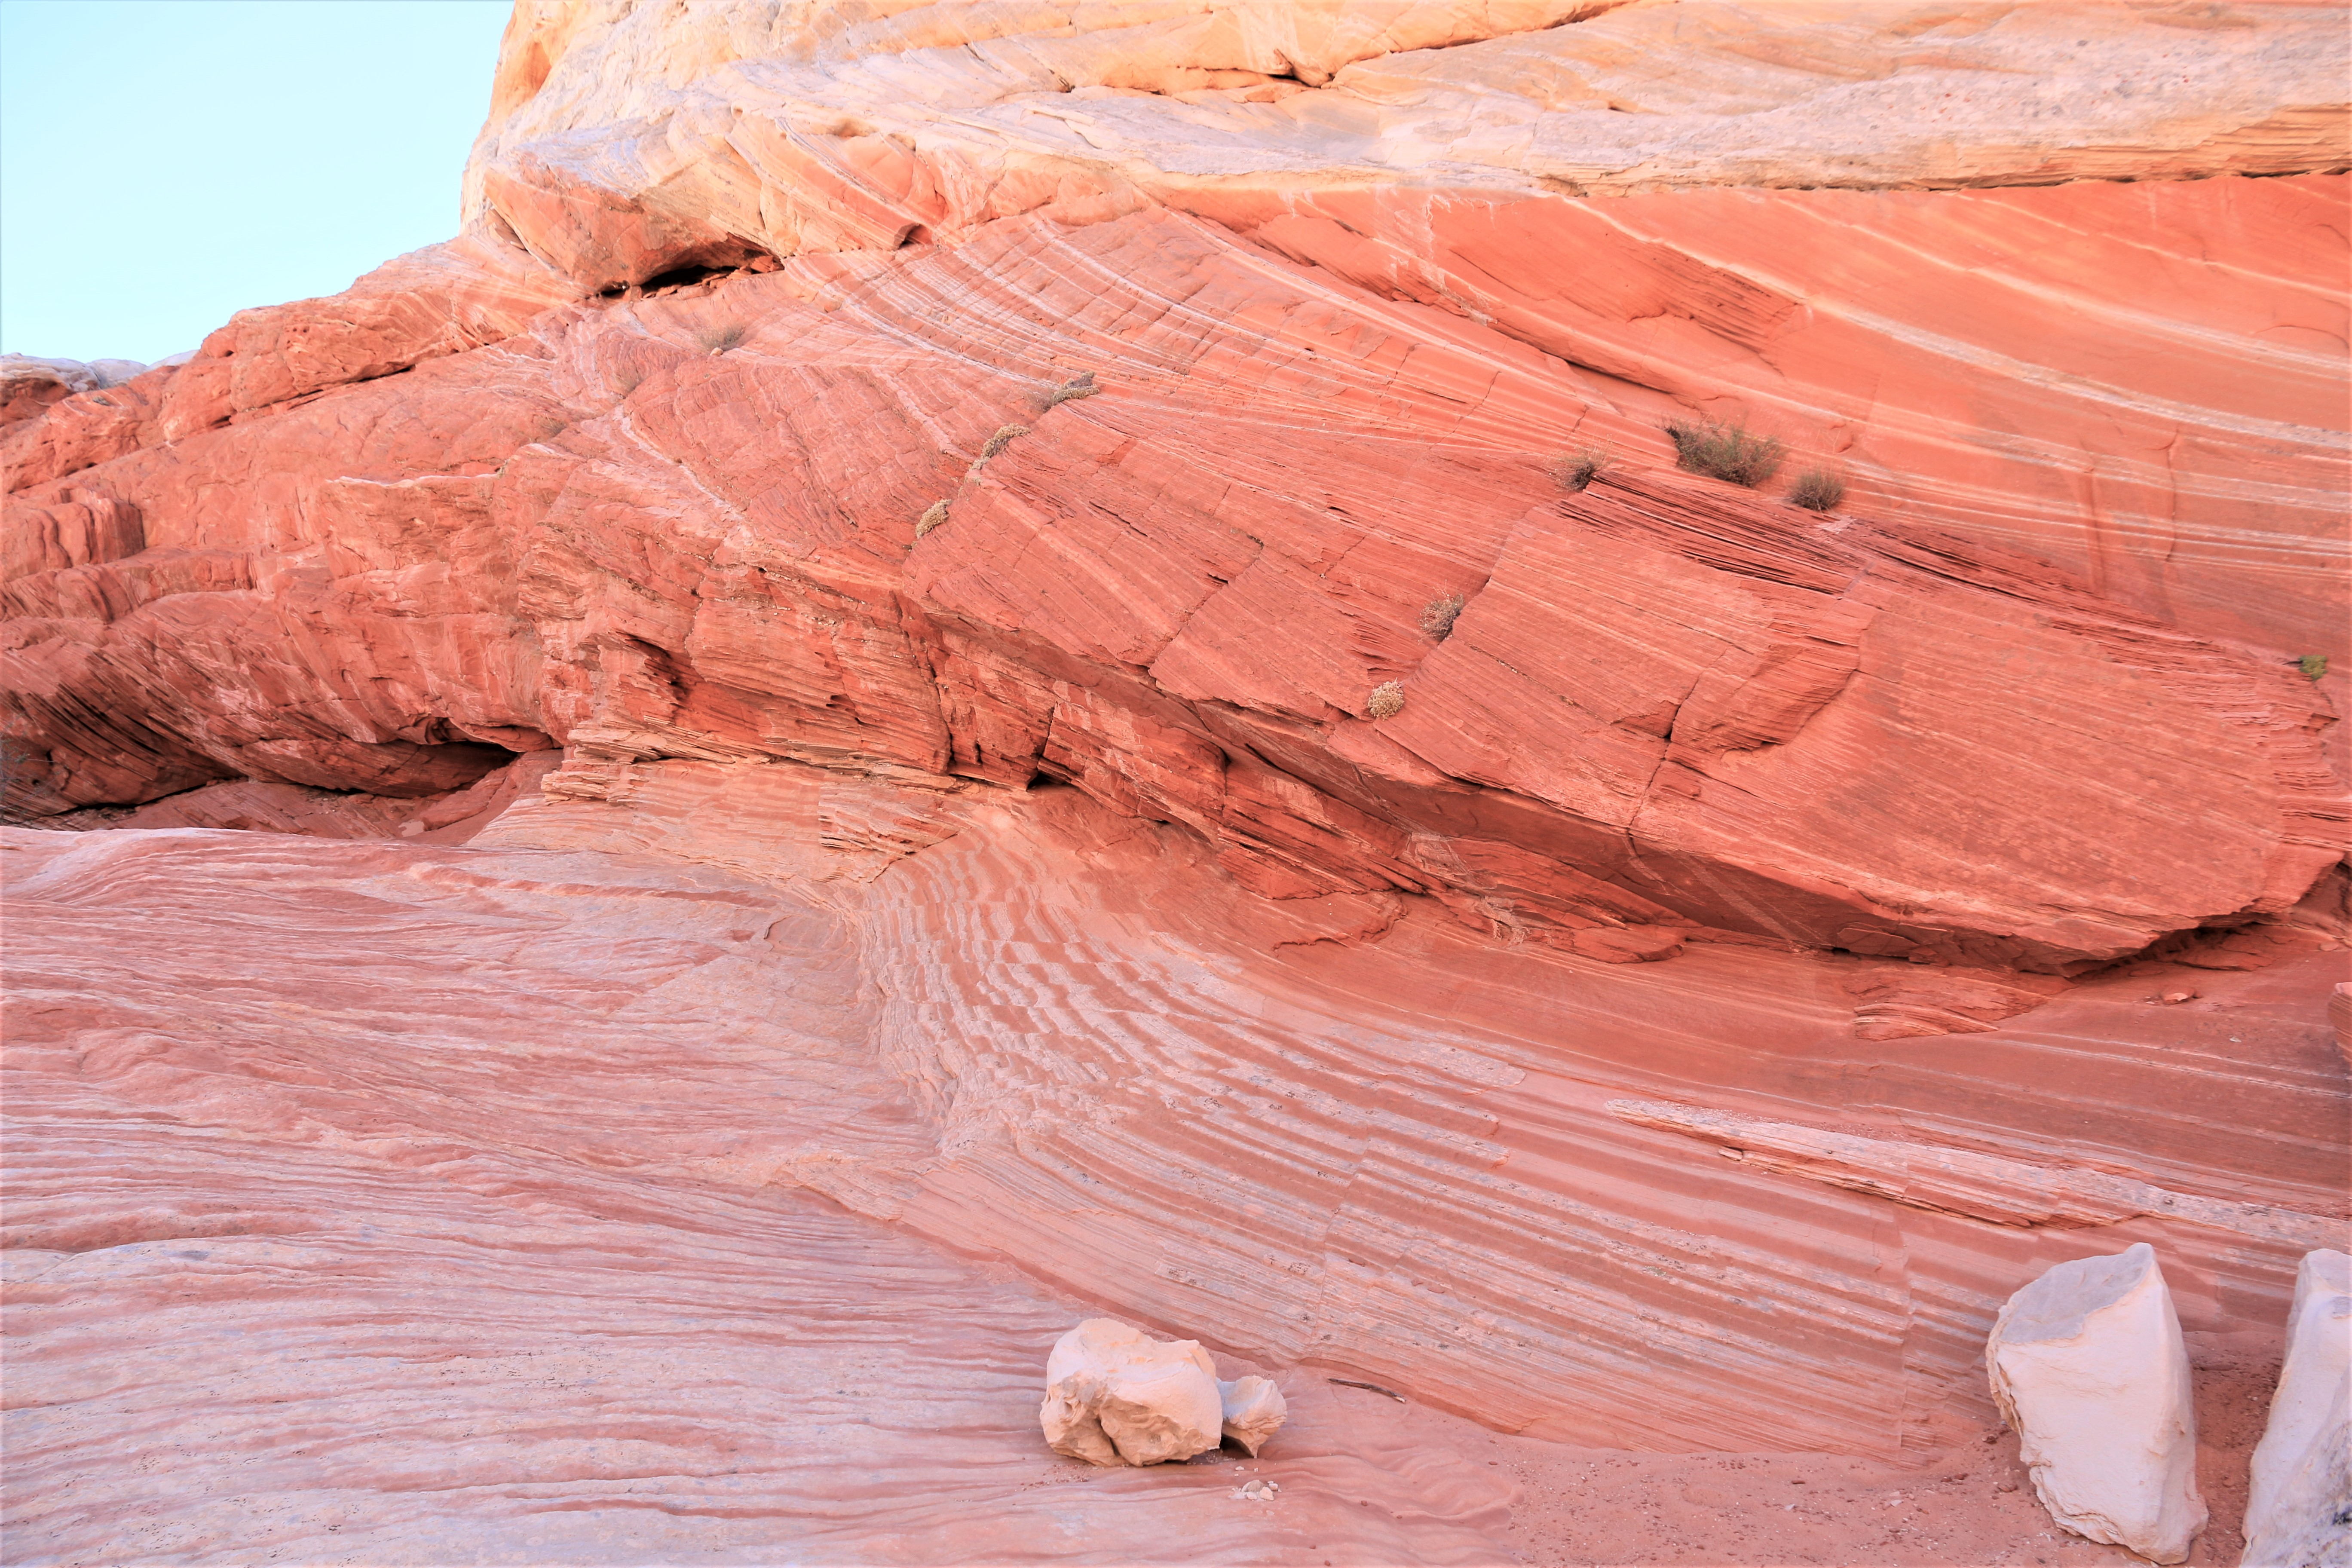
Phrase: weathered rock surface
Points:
(2300, 1494)
(856, 122)
(2076, 372)
(866, 570)
(250, 805)
(600, 1042)
(1670, 708)
(2089, 1369)
(1962, 1181)
(30, 384)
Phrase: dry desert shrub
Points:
(998, 442)
(2313, 665)
(1722, 451)
(933, 515)
(1437, 617)
(1387, 699)
(1082, 386)
(718, 340)
(1573, 473)
(1818, 489)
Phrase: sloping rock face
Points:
(1668, 702)
(951, 479)
(673, 1149)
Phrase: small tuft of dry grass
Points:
(1082, 386)
(1437, 617)
(1387, 699)
(933, 515)
(1817, 490)
(998, 442)
(1573, 473)
(1722, 451)
(627, 382)
(718, 340)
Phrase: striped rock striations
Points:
(971, 609)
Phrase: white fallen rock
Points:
(2299, 1507)
(1114, 1395)
(2088, 1367)
(1253, 1408)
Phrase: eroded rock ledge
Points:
(1668, 703)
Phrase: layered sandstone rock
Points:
(866, 572)
(30, 385)
(1988, 361)
(2089, 1369)
(1665, 707)
(1668, 704)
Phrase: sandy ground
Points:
(1968, 1506)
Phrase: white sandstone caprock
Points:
(2299, 1509)
(1115, 1395)
(2088, 1366)
(1253, 1409)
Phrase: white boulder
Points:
(2088, 1366)
(1252, 1409)
(1114, 1395)
(2299, 1509)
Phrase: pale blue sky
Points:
(166, 163)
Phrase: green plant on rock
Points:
(2313, 665)
(1722, 451)
(1817, 490)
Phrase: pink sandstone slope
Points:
(938, 680)
(537, 1202)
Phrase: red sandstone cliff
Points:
(837, 432)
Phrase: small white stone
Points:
(2088, 1366)
(1252, 1409)
(2297, 1508)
